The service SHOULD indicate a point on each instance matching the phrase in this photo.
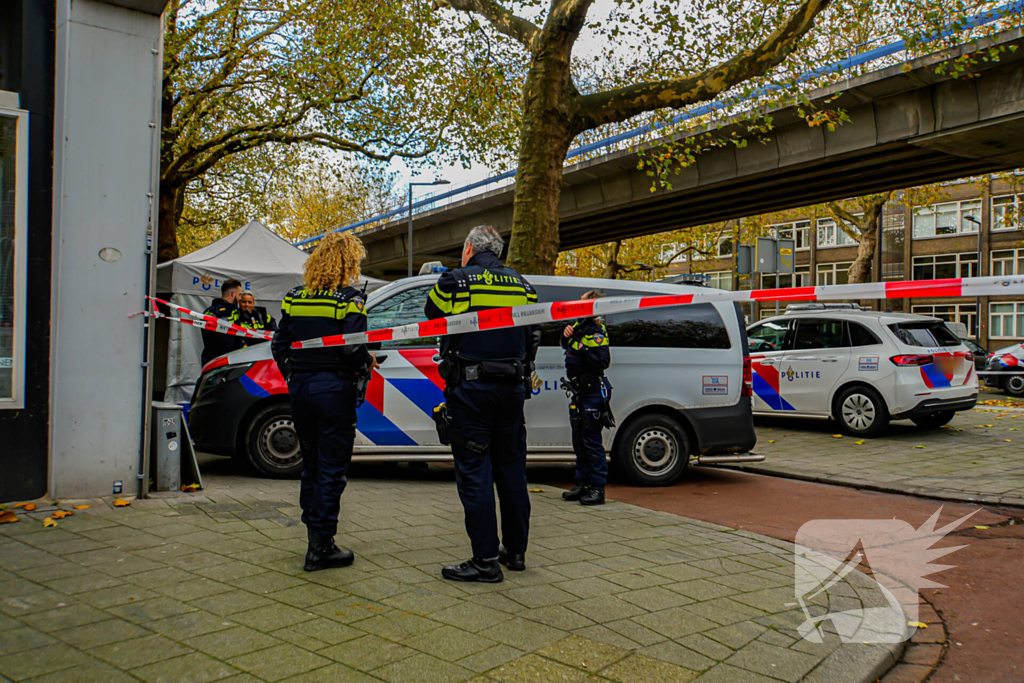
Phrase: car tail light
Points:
(910, 359)
(970, 357)
(748, 377)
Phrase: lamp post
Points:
(409, 245)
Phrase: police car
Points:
(1005, 370)
(860, 368)
(678, 374)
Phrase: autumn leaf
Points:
(919, 446)
(121, 502)
(536, 490)
(61, 514)
(82, 507)
(917, 624)
(28, 507)
(981, 527)
(859, 443)
(771, 441)
(8, 517)
(48, 522)
(190, 488)
(837, 436)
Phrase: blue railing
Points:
(859, 59)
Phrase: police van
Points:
(678, 376)
(860, 368)
(1005, 370)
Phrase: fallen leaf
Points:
(3, 507)
(536, 490)
(28, 507)
(82, 507)
(917, 624)
(48, 522)
(190, 487)
(61, 514)
(772, 441)
(1007, 440)
(837, 436)
(1013, 429)
(8, 517)
(860, 443)
(121, 502)
(981, 527)
(990, 425)
(919, 446)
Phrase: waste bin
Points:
(166, 437)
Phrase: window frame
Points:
(798, 231)
(1016, 204)
(961, 313)
(717, 275)
(833, 271)
(1016, 258)
(960, 259)
(20, 261)
(933, 211)
(836, 231)
(1018, 311)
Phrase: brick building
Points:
(976, 230)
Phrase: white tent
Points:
(263, 262)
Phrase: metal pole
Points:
(408, 245)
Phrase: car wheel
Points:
(861, 412)
(934, 420)
(652, 450)
(272, 446)
(1014, 385)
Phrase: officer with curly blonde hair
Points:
(321, 385)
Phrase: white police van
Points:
(678, 374)
(861, 368)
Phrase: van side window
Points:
(697, 326)
(401, 309)
(861, 336)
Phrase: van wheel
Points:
(653, 450)
(861, 412)
(1015, 385)
(271, 444)
(934, 420)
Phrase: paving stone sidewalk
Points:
(978, 457)
(209, 587)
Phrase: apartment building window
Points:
(947, 218)
(830, 235)
(893, 241)
(672, 250)
(720, 279)
(943, 266)
(1008, 262)
(798, 231)
(800, 278)
(1006, 212)
(725, 246)
(1006, 320)
(951, 313)
(834, 273)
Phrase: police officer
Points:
(587, 356)
(252, 317)
(487, 376)
(215, 343)
(322, 386)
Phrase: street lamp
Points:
(409, 245)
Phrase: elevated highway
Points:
(909, 125)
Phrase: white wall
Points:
(107, 90)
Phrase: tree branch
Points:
(618, 105)
(503, 20)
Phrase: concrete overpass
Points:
(909, 126)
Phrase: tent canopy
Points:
(265, 264)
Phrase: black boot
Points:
(485, 571)
(323, 554)
(516, 562)
(593, 496)
(576, 492)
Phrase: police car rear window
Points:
(924, 334)
(698, 326)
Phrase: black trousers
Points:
(491, 414)
(324, 414)
(591, 459)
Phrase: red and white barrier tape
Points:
(520, 316)
(206, 322)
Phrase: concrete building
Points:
(79, 135)
(975, 230)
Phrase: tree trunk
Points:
(860, 271)
(168, 213)
(611, 269)
(549, 107)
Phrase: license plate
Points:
(947, 365)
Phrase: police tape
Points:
(534, 314)
(204, 321)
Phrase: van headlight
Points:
(219, 376)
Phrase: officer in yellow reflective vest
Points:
(252, 317)
(321, 386)
(587, 356)
(487, 376)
